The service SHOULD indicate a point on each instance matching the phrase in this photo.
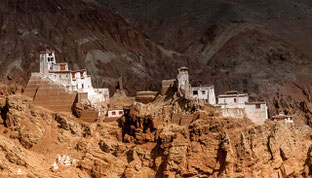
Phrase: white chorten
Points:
(67, 161)
(63, 159)
(74, 162)
(19, 171)
(59, 158)
(54, 167)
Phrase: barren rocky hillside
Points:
(84, 35)
(139, 145)
(260, 47)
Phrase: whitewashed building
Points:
(73, 81)
(233, 99)
(257, 111)
(204, 93)
(115, 113)
(196, 93)
(237, 105)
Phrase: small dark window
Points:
(203, 92)
(235, 100)
(120, 112)
(195, 92)
(82, 85)
(50, 54)
(258, 106)
(113, 113)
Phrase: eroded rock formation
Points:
(149, 144)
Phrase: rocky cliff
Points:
(149, 145)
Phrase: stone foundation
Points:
(49, 95)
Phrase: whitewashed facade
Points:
(115, 113)
(233, 99)
(256, 111)
(204, 93)
(73, 81)
(196, 93)
(237, 105)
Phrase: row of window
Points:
(195, 92)
(50, 59)
(114, 113)
(258, 106)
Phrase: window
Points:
(73, 75)
(120, 112)
(258, 106)
(82, 85)
(203, 92)
(50, 54)
(235, 100)
(195, 92)
(113, 113)
(62, 67)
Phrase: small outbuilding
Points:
(115, 113)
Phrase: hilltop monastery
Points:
(231, 104)
(58, 88)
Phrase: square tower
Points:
(47, 59)
(184, 86)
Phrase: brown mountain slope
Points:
(260, 47)
(85, 35)
(177, 24)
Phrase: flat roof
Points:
(256, 102)
(232, 95)
(283, 116)
(231, 92)
(64, 71)
(114, 109)
(211, 86)
(79, 70)
(61, 63)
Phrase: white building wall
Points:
(233, 112)
(46, 62)
(202, 93)
(212, 96)
(229, 101)
(57, 67)
(257, 115)
(118, 113)
(60, 78)
(206, 93)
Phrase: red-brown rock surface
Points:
(208, 147)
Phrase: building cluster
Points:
(232, 103)
(72, 80)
